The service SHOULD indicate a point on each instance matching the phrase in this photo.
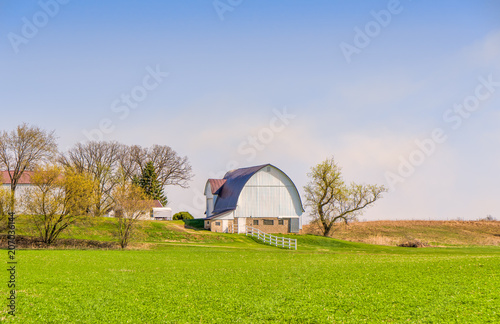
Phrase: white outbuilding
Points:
(162, 213)
(262, 197)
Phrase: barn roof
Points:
(229, 192)
(216, 184)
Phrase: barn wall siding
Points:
(268, 194)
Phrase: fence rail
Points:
(271, 239)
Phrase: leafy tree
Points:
(24, 149)
(150, 184)
(182, 216)
(331, 200)
(57, 200)
(130, 204)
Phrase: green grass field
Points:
(236, 280)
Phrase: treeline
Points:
(89, 179)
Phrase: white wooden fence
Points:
(266, 238)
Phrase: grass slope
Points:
(392, 233)
(145, 233)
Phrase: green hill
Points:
(99, 232)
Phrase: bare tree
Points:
(108, 161)
(131, 159)
(130, 204)
(57, 200)
(172, 170)
(331, 200)
(101, 161)
(24, 149)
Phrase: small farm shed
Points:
(155, 204)
(162, 213)
(262, 196)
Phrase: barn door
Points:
(224, 226)
(294, 225)
(241, 224)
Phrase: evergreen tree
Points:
(150, 184)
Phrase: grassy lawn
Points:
(325, 281)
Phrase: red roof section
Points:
(157, 204)
(216, 184)
(153, 203)
(25, 177)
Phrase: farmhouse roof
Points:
(153, 203)
(229, 192)
(156, 204)
(25, 177)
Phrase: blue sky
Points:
(223, 80)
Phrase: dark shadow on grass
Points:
(29, 242)
(194, 224)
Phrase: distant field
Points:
(434, 233)
(325, 281)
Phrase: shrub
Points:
(182, 215)
(413, 243)
(488, 218)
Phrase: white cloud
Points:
(485, 52)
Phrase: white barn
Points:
(262, 196)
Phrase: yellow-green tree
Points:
(57, 199)
(5, 206)
(330, 200)
(5, 201)
(130, 204)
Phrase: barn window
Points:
(281, 222)
(217, 223)
(268, 169)
(268, 222)
(256, 222)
